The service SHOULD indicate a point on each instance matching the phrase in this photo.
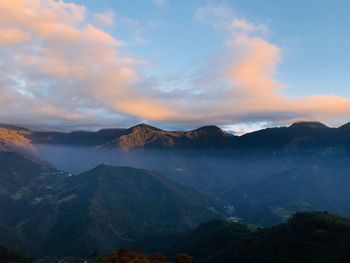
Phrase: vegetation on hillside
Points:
(10, 256)
(129, 256)
(306, 237)
(310, 237)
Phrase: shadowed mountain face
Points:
(76, 138)
(314, 183)
(110, 207)
(50, 212)
(11, 256)
(302, 135)
(26, 188)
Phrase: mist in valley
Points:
(263, 187)
(200, 169)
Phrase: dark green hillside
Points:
(16, 241)
(318, 183)
(310, 237)
(210, 238)
(18, 171)
(112, 206)
(26, 190)
(10, 256)
(105, 208)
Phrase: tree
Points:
(184, 258)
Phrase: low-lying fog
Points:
(204, 170)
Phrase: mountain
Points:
(206, 159)
(75, 138)
(266, 175)
(145, 136)
(11, 239)
(345, 127)
(318, 182)
(262, 178)
(139, 136)
(14, 140)
(300, 135)
(306, 238)
(11, 256)
(47, 212)
(17, 172)
(110, 206)
(20, 168)
(13, 127)
(305, 125)
(26, 188)
(209, 239)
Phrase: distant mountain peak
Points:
(210, 130)
(308, 125)
(143, 126)
(346, 126)
(110, 130)
(12, 127)
(139, 136)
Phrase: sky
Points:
(176, 64)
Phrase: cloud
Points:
(249, 64)
(12, 35)
(252, 76)
(58, 67)
(105, 18)
(63, 67)
(246, 26)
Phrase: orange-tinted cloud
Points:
(250, 66)
(13, 35)
(105, 18)
(242, 25)
(255, 67)
(252, 77)
(63, 63)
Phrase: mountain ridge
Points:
(298, 135)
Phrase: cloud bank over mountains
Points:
(60, 66)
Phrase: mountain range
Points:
(79, 192)
(301, 134)
(139, 136)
